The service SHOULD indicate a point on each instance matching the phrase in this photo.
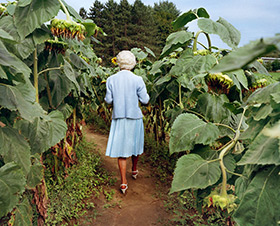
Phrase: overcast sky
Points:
(253, 18)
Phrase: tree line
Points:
(130, 25)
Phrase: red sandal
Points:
(134, 174)
(123, 190)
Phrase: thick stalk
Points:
(49, 69)
(156, 127)
(220, 124)
(180, 96)
(160, 120)
(35, 74)
(65, 10)
(223, 168)
(196, 39)
(48, 90)
(224, 151)
(74, 127)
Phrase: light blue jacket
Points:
(124, 90)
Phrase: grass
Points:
(275, 75)
(70, 198)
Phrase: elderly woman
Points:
(124, 90)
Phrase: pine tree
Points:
(123, 21)
(95, 13)
(128, 26)
(143, 27)
(165, 13)
(83, 13)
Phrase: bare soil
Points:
(143, 203)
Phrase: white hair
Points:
(126, 60)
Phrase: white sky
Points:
(253, 18)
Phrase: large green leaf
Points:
(261, 202)
(243, 56)
(35, 175)
(70, 73)
(62, 86)
(72, 11)
(10, 60)
(192, 171)
(174, 41)
(14, 148)
(40, 35)
(262, 151)
(211, 106)
(163, 79)
(78, 61)
(18, 98)
(263, 95)
(259, 67)
(23, 213)
(189, 16)
(7, 24)
(66, 110)
(262, 112)
(254, 128)
(241, 77)
(25, 47)
(12, 185)
(34, 14)
(44, 132)
(90, 27)
(228, 33)
(5, 35)
(189, 130)
(192, 65)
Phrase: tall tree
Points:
(95, 13)
(83, 13)
(129, 26)
(123, 21)
(143, 27)
(164, 12)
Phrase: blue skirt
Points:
(126, 138)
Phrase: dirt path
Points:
(140, 206)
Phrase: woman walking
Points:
(124, 90)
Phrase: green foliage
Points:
(12, 183)
(159, 153)
(174, 41)
(216, 152)
(228, 33)
(164, 12)
(185, 212)
(260, 203)
(34, 83)
(275, 65)
(84, 180)
(192, 171)
(243, 56)
(32, 15)
(189, 130)
(131, 25)
(189, 16)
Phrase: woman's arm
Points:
(142, 92)
(109, 95)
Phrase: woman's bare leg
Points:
(134, 162)
(122, 167)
